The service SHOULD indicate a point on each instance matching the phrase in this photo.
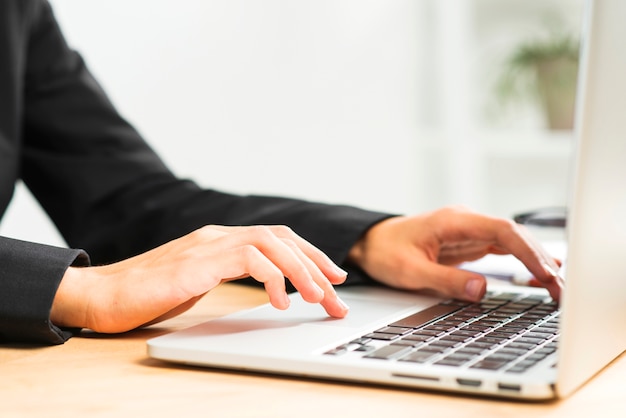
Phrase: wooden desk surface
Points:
(94, 375)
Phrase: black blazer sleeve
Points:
(104, 187)
(29, 277)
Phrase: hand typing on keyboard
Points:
(422, 252)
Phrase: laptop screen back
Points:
(594, 304)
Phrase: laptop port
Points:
(469, 382)
(509, 387)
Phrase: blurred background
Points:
(400, 106)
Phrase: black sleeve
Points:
(29, 282)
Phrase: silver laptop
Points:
(512, 344)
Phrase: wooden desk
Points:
(95, 375)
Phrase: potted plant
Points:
(547, 70)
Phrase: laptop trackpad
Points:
(266, 325)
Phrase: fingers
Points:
(505, 236)
(329, 269)
(328, 298)
(419, 252)
(543, 266)
(269, 254)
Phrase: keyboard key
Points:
(426, 316)
(365, 348)
(499, 356)
(521, 346)
(479, 345)
(500, 314)
(501, 335)
(388, 352)
(516, 369)
(437, 327)
(429, 332)
(523, 323)
(539, 335)
(547, 329)
(526, 363)
(418, 356)
(450, 362)
(529, 340)
(406, 343)
(488, 323)
(466, 333)
(477, 327)
(489, 364)
(432, 349)
(337, 351)
(515, 351)
(381, 336)
(457, 338)
(511, 328)
(455, 302)
(536, 356)
(504, 296)
(461, 356)
(443, 345)
(490, 340)
(394, 330)
(546, 350)
(470, 351)
(418, 338)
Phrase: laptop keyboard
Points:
(504, 331)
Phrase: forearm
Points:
(165, 208)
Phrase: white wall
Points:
(364, 102)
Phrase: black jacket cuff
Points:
(29, 278)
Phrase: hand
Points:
(420, 252)
(168, 280)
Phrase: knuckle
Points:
(452, 209)
(282, 230)
(249, 251)
(261, 232)
(290, 243)
(201, 233)
(446, 213)
(508, 225)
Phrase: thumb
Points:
(456, 283)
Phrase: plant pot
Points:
(556, 83)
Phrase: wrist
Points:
(69, 308)
(359, 252)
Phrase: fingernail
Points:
(286, 301)
(339, 271)
(474, 289)
(343, 304)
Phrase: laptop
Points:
(516, 343)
